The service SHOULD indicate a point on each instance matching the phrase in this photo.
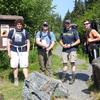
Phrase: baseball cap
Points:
(67, 21)
(45, 23)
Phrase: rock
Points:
(96, 72)
(42, 87)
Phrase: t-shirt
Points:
(69, 37)
(46, 38)
(18, 38)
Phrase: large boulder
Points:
(96, 72)
(42, 87)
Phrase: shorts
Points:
(19, 59)
(71, 57)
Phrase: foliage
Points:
(10, 91)
(33, 11)
(4, 60)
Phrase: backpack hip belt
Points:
(17, 47)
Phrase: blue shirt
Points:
(18, 38)
(48, 36)
(69, 37)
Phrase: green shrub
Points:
(4, 60)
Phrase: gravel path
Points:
(78, 90)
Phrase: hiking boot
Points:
(16, 81)
(64, 77)
(72, 80)
(64, 80)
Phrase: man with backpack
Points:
(18, 49)
(92, 42)
(69, 39)
(45, 41)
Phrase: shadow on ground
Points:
(82, 76)
(79, 76)
(20, 76)
(86, 91)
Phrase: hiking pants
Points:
(45, 62)
(93, 54)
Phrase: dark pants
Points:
(93, 54)
(45, 62)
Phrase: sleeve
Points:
(76, 34)
(10, 34)
(37, 35)
(53, 38)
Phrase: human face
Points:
(67, 25)
(19, 26)
(87, 25)
(45, 27)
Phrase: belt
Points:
(17, 47)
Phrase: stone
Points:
(42, 87)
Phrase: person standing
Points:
(92, 38)
(69, 39)
(92, 42)
(18, 49)
(45, 40)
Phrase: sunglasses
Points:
(86, 23)
(67, 23)
(45, 25)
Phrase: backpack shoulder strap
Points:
(24, 33)
(14, 31)
(40, 34)
(49, 35)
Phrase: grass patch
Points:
(10, 92)
(56, 63)
(83, 62)
(82, 66)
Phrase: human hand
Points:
(90, 40)
(67, 46)
(9, 54)
(64, 46)
(47, 49)
(44, 44)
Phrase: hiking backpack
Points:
(23, 32)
